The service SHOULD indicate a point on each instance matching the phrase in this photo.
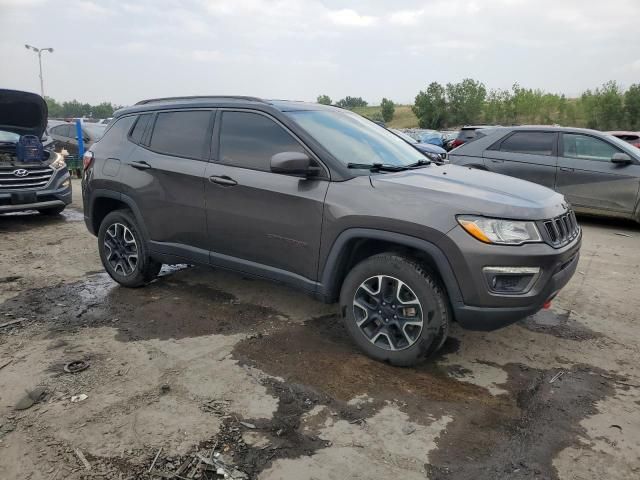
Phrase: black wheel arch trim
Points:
(330, 281)
(127, 200)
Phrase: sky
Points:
(125, 51)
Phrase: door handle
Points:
(223, 180)
(140, 165)
(565, 169)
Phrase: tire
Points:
(52, 211)
(128, 261)
(401, 281)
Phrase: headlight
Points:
(58, 163)
(434, 157)
(496, 230)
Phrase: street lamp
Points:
(39, 52)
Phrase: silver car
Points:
(597, 172)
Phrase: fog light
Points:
(510, 280)
(66, 183)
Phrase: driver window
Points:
(587, 148)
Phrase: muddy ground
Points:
(206, 367)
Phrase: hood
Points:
(23, 113)
(429, 148)
(470, 191)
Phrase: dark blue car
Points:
(433, 152)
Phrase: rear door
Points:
(590, 180)
(526, 154)
(255, 216)
(165, 175)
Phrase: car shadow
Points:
(29, 220)
(608, 222)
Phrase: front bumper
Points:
(51, 196)
(482, 309)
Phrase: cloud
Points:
(206, 55)
(351, 18)
(406, 17)
(92, 8)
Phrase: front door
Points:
(590, 180)
(529, 155)
(256, 219)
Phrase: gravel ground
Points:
(205, 371)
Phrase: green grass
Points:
(403, 117)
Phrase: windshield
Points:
(351, 138)
(9, 137)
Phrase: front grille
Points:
(35, 177)
(562, 230)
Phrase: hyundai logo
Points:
(21, 172)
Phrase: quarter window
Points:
(533, 143)
(182, 134)
(587, 148)
(141, 125)
(249, 140)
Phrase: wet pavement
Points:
(203, 362)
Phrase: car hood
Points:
(470, 191)
(429, 148)
(23, 113)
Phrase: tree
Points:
(632, 106)
(103, 110)
(431, 106)
(54, 108)
(324, 100)
(388, 108)
(465, 101)
(351, 102)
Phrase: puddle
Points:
(559, 324)
(170, 307)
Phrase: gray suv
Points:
(597, 172)
(324, 200)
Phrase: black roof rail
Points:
(203, 97)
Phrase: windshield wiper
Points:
(419, 163)
(377, 167)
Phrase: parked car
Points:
(432, 152)
(322, 199)
(65, 136)
(448, 137)
(427, 136)
(105, 121)
(631, 137)
(466, 134)
(37, 180)
(598, 173)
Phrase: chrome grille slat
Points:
(36, 177)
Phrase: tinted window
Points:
(183, 134)
(534, 143)
(249, 140)
(57, 130)
(69, 131)
(467, 134)
(586, 147)
(141, 125)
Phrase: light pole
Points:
(39, 52)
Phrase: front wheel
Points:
(123, 251)
(394, 309)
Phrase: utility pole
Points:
(39, 52)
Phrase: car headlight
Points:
(58, 163)
(434, 157)
(500, 231)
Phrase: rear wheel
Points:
(52, 211)
(124, 252)
(394, 309)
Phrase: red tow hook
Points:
(547, 305)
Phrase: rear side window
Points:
(141, 126)
(182, 134)
(467, 134)
(249, 140)
(533, 143)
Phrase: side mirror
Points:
(291, 163)
(621, 158)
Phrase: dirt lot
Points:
(205, 367)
